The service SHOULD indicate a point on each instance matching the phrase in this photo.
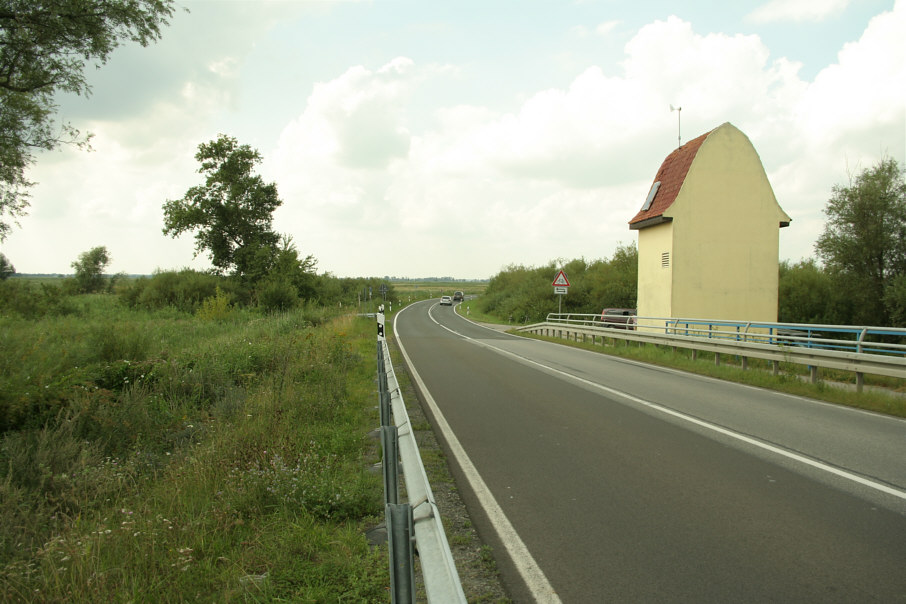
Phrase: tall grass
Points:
(159, 456)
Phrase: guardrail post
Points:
(383, 390)
(384, 402)
(390, 447)
(399, 539)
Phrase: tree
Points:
(616, 280)
(44, 48)
(895, 300)
(232, 212)
(863, 245)
(806, 294)
(6, 268)
(89, 270)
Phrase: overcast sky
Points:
(435, 138)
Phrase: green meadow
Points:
(170, 456)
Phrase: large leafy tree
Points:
(231, 213)
(89, 269)
(45, 46)
(863, 245)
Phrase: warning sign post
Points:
(561, 285)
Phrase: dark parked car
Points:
(618, 318)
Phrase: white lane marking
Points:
(528, 568)
(878, 486)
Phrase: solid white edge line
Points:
(525, 564)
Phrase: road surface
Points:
(598, 479)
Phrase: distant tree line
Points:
(525, 294)
(185, 290)
(231, 215)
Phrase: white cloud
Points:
(606, 27)
(592, 133)
(866, 88)
(354, 118)
(797, 10)
(846, 120)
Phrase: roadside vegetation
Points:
(520, 294)
(205, 453)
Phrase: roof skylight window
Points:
(651, 194)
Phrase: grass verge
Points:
(161, 457)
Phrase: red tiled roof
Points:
(671, 175)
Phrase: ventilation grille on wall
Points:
(665, 259)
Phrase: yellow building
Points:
(709, 233)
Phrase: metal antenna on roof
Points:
(679, 140)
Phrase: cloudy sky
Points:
(424, 138)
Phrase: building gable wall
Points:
(723, 236)
(655, 271)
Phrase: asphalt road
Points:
(603, 480)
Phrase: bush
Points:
(185, 290)
(215, 308)
(277, 295)
(23, 299)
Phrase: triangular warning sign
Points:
(560, 280)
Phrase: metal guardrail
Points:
(873, 350)
(417, 521)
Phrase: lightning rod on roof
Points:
(679, 140)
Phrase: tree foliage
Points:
(6, 268)
(524, 294)
(231, 213)
(45, 46)
(863, 245)
(89, 270)
(806, 294)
